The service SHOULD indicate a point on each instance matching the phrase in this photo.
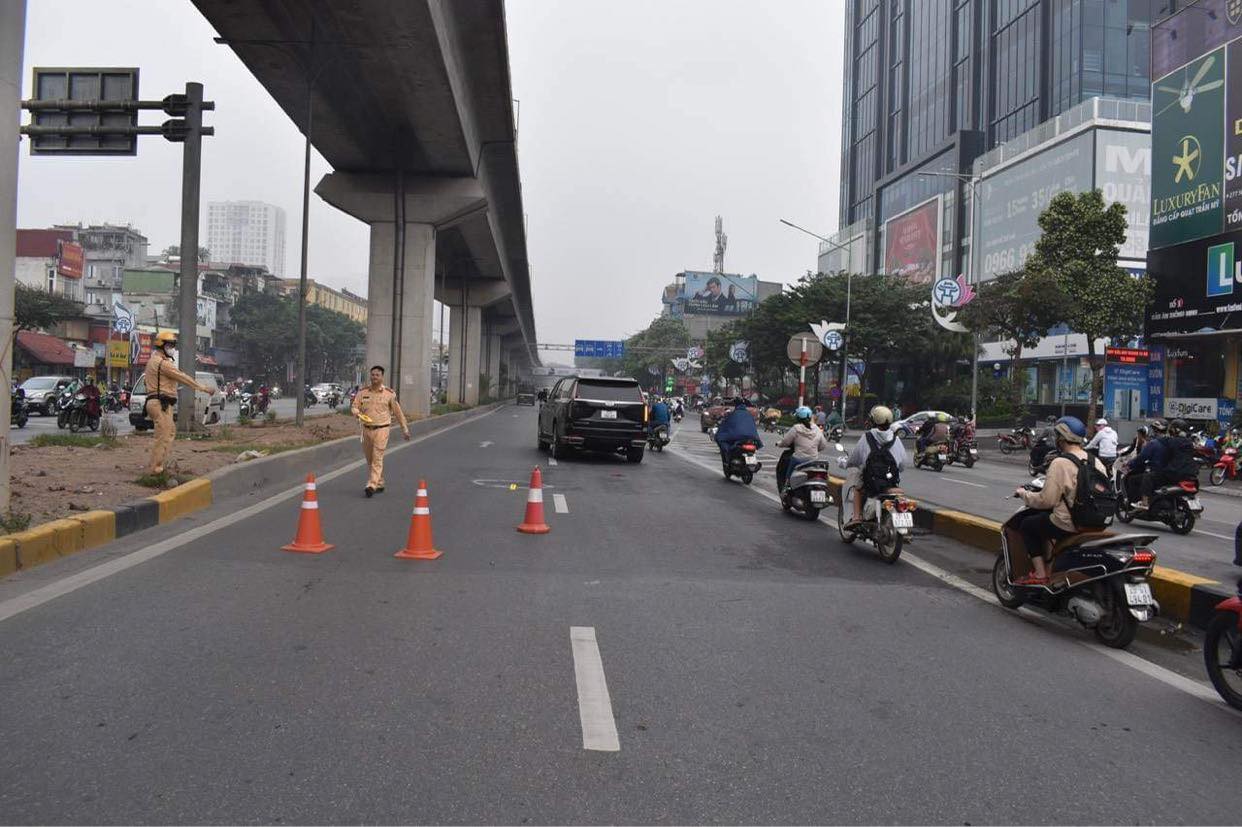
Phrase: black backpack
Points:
(1095, 501)
(880, 469)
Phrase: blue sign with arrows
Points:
(599, 348)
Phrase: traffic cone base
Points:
(418, 544)
(309, 539)
(533, 522)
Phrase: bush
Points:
(70, 441)
(269, 417)
(13, 522)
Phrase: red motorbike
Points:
(1222, 650)
(1019, 439)
(1226, 467)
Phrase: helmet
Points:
(740, 402)
(1101, 422)
(881, 416)
(1143, 430)
(803, 412)
(1178, 427)
(942, 417)
(1159, 426)
(1071, 429)
(166, 337)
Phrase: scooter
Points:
(962, 446)
(657, 438)
(1042, 454)
(835, 433)
(742, 462)
(1222, 649)
(888, 519)
(19, 414)
(64, 403)
(934, 457)
(1226, 467)
(1177, 506)
(806, 489)
(1097, 578)
(1017, 439)
(245, 408)
(79, 414)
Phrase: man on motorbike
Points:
(737, 427)
(881, 437)
(1104, 443)
(1053, 520)
(934, 431)
(806, 439)
(659, 416)
(1167, 460)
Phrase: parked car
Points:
(207, 407)
(525, 398)
(596, 413)
(41, 392)
(908, 427)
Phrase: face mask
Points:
(171, 353)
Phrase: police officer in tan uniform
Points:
(162, 378)
(375, 406)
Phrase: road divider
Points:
(418, 544)
(309, 536)
(533, 522)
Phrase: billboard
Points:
(70, 261)
(1233, 137)
(1010, 201)
(1187, 142)
(1196, 29)
(719, 294)
(1198, 286)
(1123, 174)
(912, 243)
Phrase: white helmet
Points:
(1101, 422)
(881, 416)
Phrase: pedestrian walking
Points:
(375, 406)
(162, 378)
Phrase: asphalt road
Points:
(756, 669)
(36, 425)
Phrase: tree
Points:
(1080, 242)
(35, 309)
(1019, 307)
(664, 339)
(174, 251)
(266, 333)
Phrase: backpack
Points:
(1095, 501)
(879, 471)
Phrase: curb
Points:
(79, 532)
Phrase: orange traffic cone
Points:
(309, 538)
(534, 524)
(418, 543)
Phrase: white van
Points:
(209, 408)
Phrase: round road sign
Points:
(814, 350)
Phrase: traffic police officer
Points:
(162, 378)
(375, 406)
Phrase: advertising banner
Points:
(71, 260)
(912, 244)
(720, 294)
(1125, 390)
(118, 353)
(1010, 201)
(1198, 286)
(1233, 136)
(1155, 378)
(1123, 174)
(1187, 143)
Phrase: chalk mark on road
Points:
(599, 726)
(552, 462)
(487, 443)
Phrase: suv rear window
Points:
(609, 391)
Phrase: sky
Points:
(640, 122)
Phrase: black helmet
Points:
(1143, 430)
(740, 402)
(1159, 426)
(1178, 427)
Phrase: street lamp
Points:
(971, 181)
(849, 284)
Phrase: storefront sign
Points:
(118, 353)
(1190, 408)
(1155, 378)
(1225, 411)
(1198, 286)
(1126, 355)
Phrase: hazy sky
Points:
(640, 122)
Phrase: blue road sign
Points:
(599, 348)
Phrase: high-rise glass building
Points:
(930, 85)
(247, 232)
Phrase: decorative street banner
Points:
(739, 351)
(122, 318)
(912, 243)
(948, 297)
(1187, 142)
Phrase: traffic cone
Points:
(534, 524)
(309, 538)
(418, 543)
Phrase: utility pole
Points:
(12, 39)
(191, 175)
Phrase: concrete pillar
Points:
(12, 39)
(493, 365)
(465, 353)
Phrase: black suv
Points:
(596, 413)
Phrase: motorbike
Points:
(888, 519)
(1222, 649)
(1042, 454)
(309, 396)
(64, 403)
(112, 402)
(246, 408)
(1206, 453)
(742, 461)
(19, 414)
(806, 489)
(1177, 505)
(962, 447)
(1226, 467)
(934, 456)
(1097, 578)
(82, 414)
(657, 437)
(334, 399)
(835, 433)
(1019, 438)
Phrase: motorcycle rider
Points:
(1053, 521)
(1044, 443)
(1104, 442)
(1167, 460)
(881, 436)
(807, 440)
(737, 427)
(834, 418)
(659, 416)
(162, 378)
(934, 431)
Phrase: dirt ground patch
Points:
(55, 481)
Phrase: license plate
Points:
(1138, 594)
(974, 452)
(607, 414)
(750, 459)
(819, 496)
(1194, 504)
(903, 519)
(941, 457)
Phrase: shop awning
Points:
(209, 361)
(45, 349)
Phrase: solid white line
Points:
(1166, 676)
(562, 507)
(552, 461)
(37, 597)
(963, 482)
(599, 727)
(1212, 534)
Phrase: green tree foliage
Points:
(1080, 242)
(35, 309)
(664, 339)
(266, 333)
(174, 251)
(1018, 307)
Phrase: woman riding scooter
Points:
(806, 439)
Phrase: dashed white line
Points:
(487, 443)
(963, 482)
(558, 501)
(1213, 534)
(552, 461)
(599, 726)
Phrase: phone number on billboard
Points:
(1002, 261)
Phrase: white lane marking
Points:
(486, 443)
(1212, 534)
(1166, 676)
(37, 597)
(552, 462)
(599, 727)
(558, 501)
(963, 482)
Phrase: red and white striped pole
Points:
(802, 373)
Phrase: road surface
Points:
(746, 665)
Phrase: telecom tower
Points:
(722, 241)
